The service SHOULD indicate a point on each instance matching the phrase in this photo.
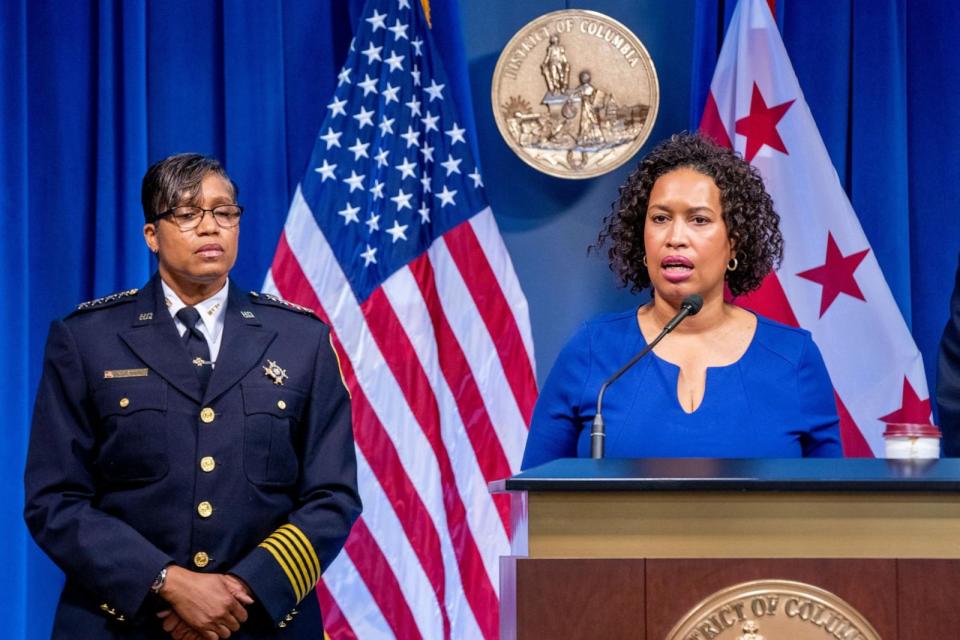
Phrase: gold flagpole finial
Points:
(426, 11)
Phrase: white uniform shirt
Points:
(211, 315)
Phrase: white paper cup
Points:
(910, 441)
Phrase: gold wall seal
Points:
(575, 94)
(773, 610)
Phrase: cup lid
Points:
(911, 430)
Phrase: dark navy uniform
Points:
(948, 377)
(132, 468)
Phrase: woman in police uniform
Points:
(191, 465)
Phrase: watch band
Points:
(159, 581)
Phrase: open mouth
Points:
(676, 264)
(676, 269)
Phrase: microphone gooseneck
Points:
(690, 306)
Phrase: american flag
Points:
(830, 281)
(390, 239)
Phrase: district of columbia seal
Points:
(575, 94)
(773, 610)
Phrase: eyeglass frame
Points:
(203, 212)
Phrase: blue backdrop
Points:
(91, 93)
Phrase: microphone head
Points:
(693, 302)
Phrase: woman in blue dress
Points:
(727, 383)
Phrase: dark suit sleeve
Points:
(104, 554)
(948, 377)
(283, 569)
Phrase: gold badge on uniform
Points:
(273, 371)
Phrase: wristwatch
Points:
(159, 581)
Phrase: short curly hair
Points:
(748, 212)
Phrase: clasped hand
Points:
(204, 606)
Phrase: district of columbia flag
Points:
(390, 240)
(830, 282)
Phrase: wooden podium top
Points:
(724, 508)
(714, 474)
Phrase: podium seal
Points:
(575, 94)
(773, 610)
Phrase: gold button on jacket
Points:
(205, 509)
(207, 415)
(208, 464)
(201, 559)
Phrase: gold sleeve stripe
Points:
(293, 549)
(311, 554)
(286, 563)
(296, 566)
(268, 545)
(295, 546)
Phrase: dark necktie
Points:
(196, 344)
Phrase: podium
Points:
(612, 549)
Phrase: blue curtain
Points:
(880, 79)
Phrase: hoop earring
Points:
(644, 259)
(733, 264)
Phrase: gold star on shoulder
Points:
(273, 371)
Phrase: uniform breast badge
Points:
(273, 371)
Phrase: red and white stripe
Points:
(866, 344)
(439, 362)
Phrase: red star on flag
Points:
(836, 274)
(912, 408)
(760, 127)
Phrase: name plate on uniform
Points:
(125, 373)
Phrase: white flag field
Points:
(830, 282)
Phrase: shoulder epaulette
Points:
(106, 301)
(274, 301)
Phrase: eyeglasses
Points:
(226, 216)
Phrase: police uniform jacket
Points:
(131, 467)
(948, 377)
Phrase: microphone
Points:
(690, 306)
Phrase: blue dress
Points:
(776, 401)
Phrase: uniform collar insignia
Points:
(106, 300)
